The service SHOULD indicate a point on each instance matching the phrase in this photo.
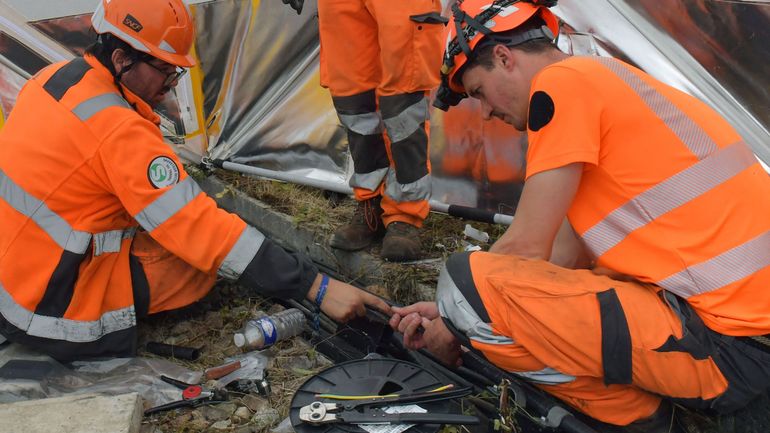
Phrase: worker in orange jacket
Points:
(379, 60)
(642, 182)
(100, 223)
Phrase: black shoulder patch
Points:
(541, 111)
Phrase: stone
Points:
(219, 412)
(221, 425)
(87, 413)
(254, 403)
(241, 414)
(265, 419)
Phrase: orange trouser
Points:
(380, 59)
(172, 282)
(608, 348)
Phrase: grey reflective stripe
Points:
(165, 46)
(370, 181)
(55, 226)
(362, 124)
(91, 106)
(546, 376)
(726, 268)
(110, 242)
(415, 191)
(57, 328)
(168, 204)
(407, 121)
(242, 253)
(692, 135)
(668, 195)
(453, 305)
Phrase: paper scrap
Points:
(393, 428)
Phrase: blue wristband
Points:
(319, 297)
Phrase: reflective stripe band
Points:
(726, 268)
(168, 204)
(546, 376)
(91, 106)
(56, 328)
(242, 253)
(101, 25)
(408, 121)
(110, 242)
(362, 124)
(415, 191)
(692, 135)
(165, 46)
(51, 223)
(453, 305)
(668, 195)
(370, 181)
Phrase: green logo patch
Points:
(163, 172)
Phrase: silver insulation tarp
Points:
(256, 98)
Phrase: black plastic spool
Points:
(378, 376)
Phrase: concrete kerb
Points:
(358, 267)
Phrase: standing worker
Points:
(100, 223)
(379, 60)
(649, 186)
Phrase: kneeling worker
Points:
(100, 224)
(648, 184)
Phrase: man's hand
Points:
(441, 342)
(343, 302)
(408, 321)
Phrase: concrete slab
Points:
(87, 413)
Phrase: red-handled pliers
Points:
(192, 396)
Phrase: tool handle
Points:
(380, 417)
(222, 370)
(169, 406)
(421, 397)
(437, 418)
(177, 383)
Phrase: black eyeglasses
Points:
(170, 77)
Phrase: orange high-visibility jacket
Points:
(81, 169)
(670, 194)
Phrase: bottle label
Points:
(268, 330)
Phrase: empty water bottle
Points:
(265, 331)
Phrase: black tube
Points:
(173, 351)
(471, 213)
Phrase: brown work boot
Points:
(365, 227)
(401, 243)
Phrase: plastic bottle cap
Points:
(239, 339)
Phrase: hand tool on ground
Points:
(371, 409)
(192, 396)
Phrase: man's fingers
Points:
(408, 320)
(394, 321)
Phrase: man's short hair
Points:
(482, 55)
(106, 44)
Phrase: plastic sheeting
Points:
(27, 375)
(256, 99)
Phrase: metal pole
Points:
(466, 212)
